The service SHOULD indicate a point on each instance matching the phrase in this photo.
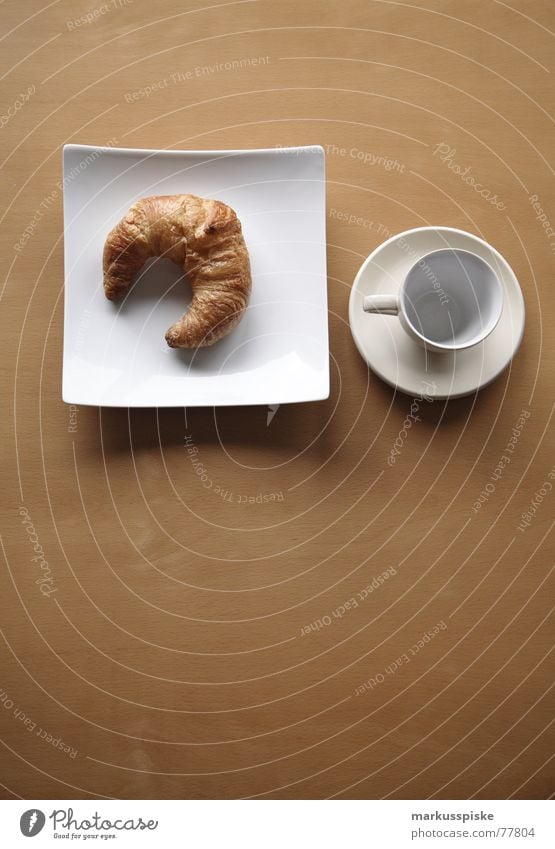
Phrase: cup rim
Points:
(453, 346)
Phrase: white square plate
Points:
(115, 354)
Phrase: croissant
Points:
(202, 236)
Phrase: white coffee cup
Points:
(449, 300)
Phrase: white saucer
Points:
(393, 355)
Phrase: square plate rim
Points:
(316, 148)
(323, 392)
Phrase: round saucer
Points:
(389, 350)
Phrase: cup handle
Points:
(384, 304)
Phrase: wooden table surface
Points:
(370, 632)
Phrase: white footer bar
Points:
(278, 824)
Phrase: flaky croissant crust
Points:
(202, 236)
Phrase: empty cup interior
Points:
(452, 298)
